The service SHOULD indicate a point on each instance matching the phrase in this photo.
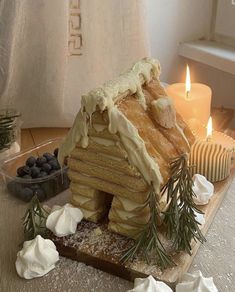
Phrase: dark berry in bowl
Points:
(42, 174)
(53, 171)
(20, 171)
(23, 170)
(40, 161)
(27, 169)
(40, 194)
(54, 164)
(31, 161)
(26, 194)
(46, 167)
(56, 152)
(27, 176)
(35, 171)
(48, 156)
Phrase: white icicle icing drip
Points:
(37, 258)
(203, 189)
(103, 98)
(196, 283)
(63, 220)
(149, 285)
(135, 148)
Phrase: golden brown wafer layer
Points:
(111, 188)
(103, 134)
(116, 151)
(124, 229)
(93, 216)
(101, 160)
(188, 133)
(127, 205)
(90, 204)
(99, 117)
(134, 219)
(154, 89)
(154, 140)
(137, 184)
(84, 190)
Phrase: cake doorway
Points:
(108, 199)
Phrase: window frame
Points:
(213, 35)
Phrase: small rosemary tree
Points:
(180, 218)
(148, 242)
(34, 220)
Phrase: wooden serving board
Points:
(95, 245)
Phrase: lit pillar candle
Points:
(192, 101)
(211, 156)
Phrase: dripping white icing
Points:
(135, 147)
(182, 134)
(103, 99)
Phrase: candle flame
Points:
(209, 128)
(187, 81)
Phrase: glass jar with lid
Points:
(10, 127)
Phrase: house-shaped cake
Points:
(120, 146)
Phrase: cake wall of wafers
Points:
(121, 143)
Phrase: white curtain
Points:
(52, 51)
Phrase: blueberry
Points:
(40, 161)
(48, 156)
(27, 176)
(40, 194)
(56, 152)
(34, 186)
(21, 171)
(26, 194)
(30, 161)
(54, 164)
(46, 167)
(35, 171)
(27, 169)
(42, 174)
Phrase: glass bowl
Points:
(10, 123)
(44, 187)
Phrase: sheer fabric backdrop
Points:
(52, 52)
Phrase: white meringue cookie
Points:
(37, 258)
(63, 220)
(196, 283)
(149, 285)
(203, 189)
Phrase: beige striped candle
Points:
(213, 157)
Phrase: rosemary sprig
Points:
(148, 242)
(34, 220)
(180, 218)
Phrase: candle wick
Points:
(187, 94)
(208, 139)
